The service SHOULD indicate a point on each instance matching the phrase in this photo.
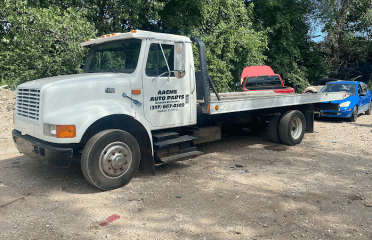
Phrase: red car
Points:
(262, 78)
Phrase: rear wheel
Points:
(309, 92)
(274, 128)
(292, 127)
(110, 159)
(354, 116)
(369, 111)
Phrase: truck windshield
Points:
(349, 88)
(263, 81)
(117, 56)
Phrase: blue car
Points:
(358, 100)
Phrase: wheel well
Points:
(130, 125)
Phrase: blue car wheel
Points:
(369, 111)
(354, 116)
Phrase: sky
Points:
(316, 30)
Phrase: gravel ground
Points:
(7, 104)
(242, 187)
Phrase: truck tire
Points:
(292, 127)
(274, 129)
(369, 110)
(110, 159)
(354, 115)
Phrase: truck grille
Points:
(28, 101)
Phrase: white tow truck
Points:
(138, 103)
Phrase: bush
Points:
(41, 42)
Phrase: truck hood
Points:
(74, 78)
(353, 99)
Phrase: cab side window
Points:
(156, 64)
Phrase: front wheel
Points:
(354, 116)
(369, 111)
(110, 159)
(292, 127)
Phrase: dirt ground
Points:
(242, 187)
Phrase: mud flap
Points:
(309, 118)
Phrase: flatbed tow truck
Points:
(138, 103)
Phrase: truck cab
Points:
(146, 79)
(132, 84)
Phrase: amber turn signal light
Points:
(136, 92)
(66, 131)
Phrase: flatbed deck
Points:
(246, 101)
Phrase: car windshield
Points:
(263, 81)
(117, 56)
(349, 88)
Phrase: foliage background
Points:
(40, 38)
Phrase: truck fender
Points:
(96, 115)
(133, 127)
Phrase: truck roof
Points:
(255, 71)
(138, 34)
(343, 82)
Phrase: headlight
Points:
(345, 104)
(60, 131)
(50, 129)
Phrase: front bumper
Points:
(340, 114)
(42, 151)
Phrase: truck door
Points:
(166, 102)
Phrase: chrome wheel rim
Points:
(115, 160)
(296, 128)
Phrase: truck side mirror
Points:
(179, 59)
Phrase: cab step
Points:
(181, 157)
(163, 136)
(174, 141)
(170, 147)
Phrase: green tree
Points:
(40, 42)
(112, 15)
(230, 40)
(347, 44)
(181, 16)
(290, 52)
